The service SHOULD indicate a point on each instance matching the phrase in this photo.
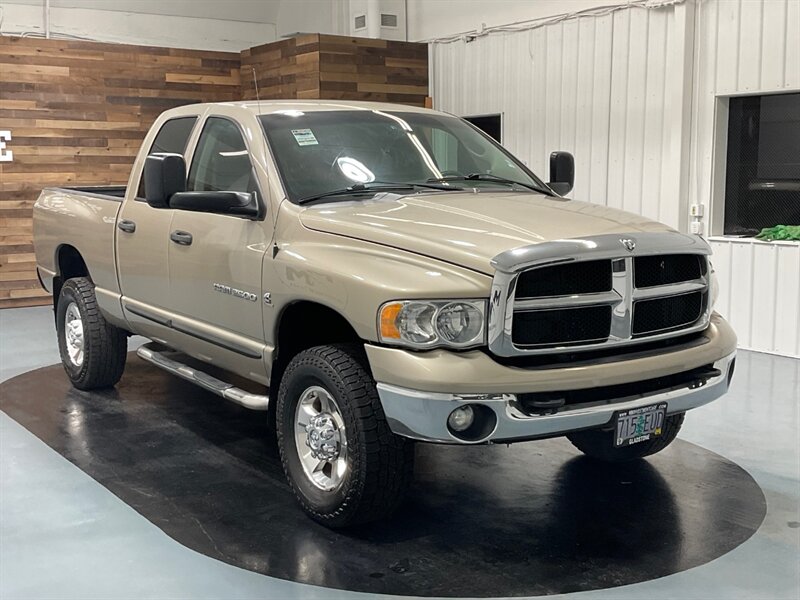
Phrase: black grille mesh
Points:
(666, 269)
(562, 326)
(664, 314)
(563, 280)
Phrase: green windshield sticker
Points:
(304, 137)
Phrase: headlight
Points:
(713, 286)
(433, 323)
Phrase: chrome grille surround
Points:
(508, 266)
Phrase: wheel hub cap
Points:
(323, 437)
(73, 334)
(320, 439)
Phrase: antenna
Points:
(255, 83)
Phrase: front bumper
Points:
(422, 415)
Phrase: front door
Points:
(215, 259)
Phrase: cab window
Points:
(221, 162)
(173, 138)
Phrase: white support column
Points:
(373, 18)
(678, 117)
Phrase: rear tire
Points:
(343, 463)
(599, 444)
(92, 350)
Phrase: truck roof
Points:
(264, 107)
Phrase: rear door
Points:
(143, 239)
(215, 259)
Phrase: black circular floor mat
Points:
(487, 521)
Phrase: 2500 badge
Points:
(231, 291)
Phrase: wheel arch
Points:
(301, 325)
(69, 263)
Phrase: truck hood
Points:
(469, 229)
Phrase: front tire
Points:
(92, 350)
(599, 444)
(342, 461)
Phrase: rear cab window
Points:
(173, 137)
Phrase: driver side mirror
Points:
(562, 172)
(164, 176)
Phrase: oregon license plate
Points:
(639, 424)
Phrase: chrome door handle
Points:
(126, 226)
(183, 238)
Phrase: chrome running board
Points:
(227, 390)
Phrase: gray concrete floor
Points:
(63, 535)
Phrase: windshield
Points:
(329, 151)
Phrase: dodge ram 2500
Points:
(377, 275)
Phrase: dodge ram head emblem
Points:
(630, 245)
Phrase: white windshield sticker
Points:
(304, 137)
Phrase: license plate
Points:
(639, 424)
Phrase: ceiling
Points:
(251, 11)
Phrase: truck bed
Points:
(108, 192)
(80, 219)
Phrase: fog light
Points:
(461, 418)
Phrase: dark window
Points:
(221, 162)
(763, 170)
(173, 138)
(491, 125)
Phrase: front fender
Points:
(355, 278)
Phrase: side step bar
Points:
(204, 380)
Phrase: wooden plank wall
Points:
(339, 68)
(78, 112)
(284, 69)
(376, 70)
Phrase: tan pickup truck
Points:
(377, 274)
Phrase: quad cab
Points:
(381, 275)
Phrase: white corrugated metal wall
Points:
(597, 87)
(633, 95)
(760, 293)
(745, 47)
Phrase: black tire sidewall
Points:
(69, 295)
(599, 444)
(295, 382)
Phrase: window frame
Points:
(719, 159)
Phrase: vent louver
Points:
(388, 20)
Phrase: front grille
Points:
(561, 326)
(600, 296)
(585, 277)
(667, 314)
(664, 270)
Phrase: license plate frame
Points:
(637, 425)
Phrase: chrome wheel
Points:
(73, 334)
(319, 436)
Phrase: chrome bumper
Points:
(423, 415)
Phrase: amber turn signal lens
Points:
(389, 315)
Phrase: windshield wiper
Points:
(378, 186)
(493, 178)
